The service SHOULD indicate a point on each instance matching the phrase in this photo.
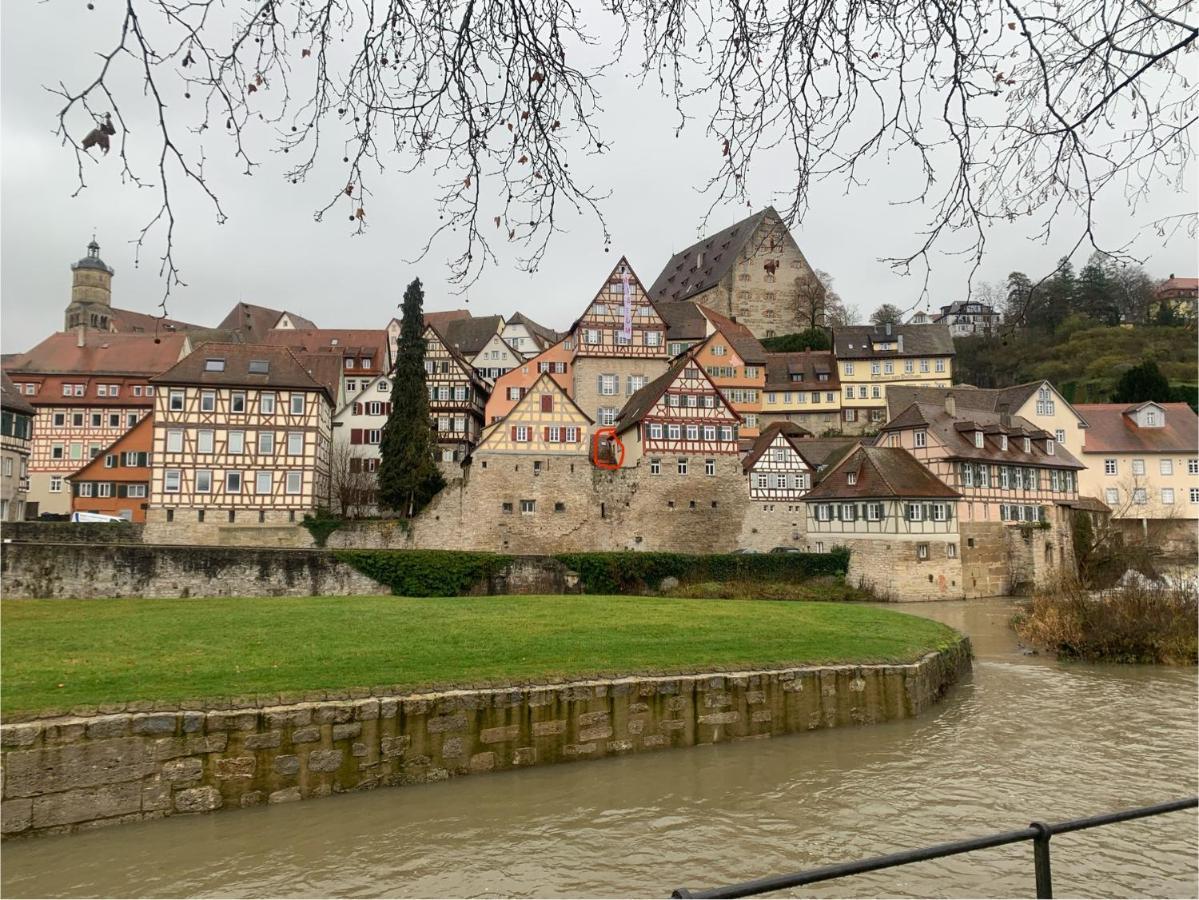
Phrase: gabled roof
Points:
(958, 307)
(497, 339)
(643, 401)
(684, 321)
(128, 321)
(966, 396)
(102, 354)
(541, 335)
(469, 336)
(740, 338)
(337, 342)
(146, 423)
(789, 432)
(254, 321)
(956, 435)
(858, 341)
(682, 277)
(443, 317)
(634, 281)
(11, 400)
(527, 401)
(811, 363)
(881, 472)
(325, 370)
(284, 369)
(1113, 430)
(1179, 284)
(462, 361)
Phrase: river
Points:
(1023, 738)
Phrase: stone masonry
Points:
(126, 762)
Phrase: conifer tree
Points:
(408, 473)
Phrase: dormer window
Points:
(920, 438)
(1150, 418)
(214, 365)
(1028, 445)
(1003, 442)
(349, 362)
(978, 439)
(259, 367)
(1049, 447)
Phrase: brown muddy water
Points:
(1023, 738)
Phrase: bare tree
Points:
(820, 306)
(1008, 109)
(352, 485)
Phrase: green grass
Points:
(63, 653)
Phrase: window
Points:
(84, 489)
(262, 482)
(978, 439)
(940, 512)
(1028, 445)
(349, 362)
(888, 367)
(56, 451)
(572, 434)
(237, 402)
(940, 367)
(636, 383)
(260, 366)
(55, 484)
(693, 432)
(848, 512)
(1168, 496)
(233, 482)
(1150, 417)
(214, 365)
(110, 462)
(655, 466)
(137, 490)
(295, 482)
(170, 480)
(521, 433)
(1193, 466)
(608, 385)
(915, 512)
(175, 401)
(682, 467)
(591, 336)
(266, 442)
(204, 441)
(295, 443)
(709, 467)
(506, 508)
(374, 435)
(1138, 467)
(780, 481)
(875, 392)
(875, 368)
(101, 390)
(908, 367)
(1060, 434)
(1194, 494)
(1166, 466)
(851, 477)
(920, 438)
(1112, 496)
(297, 404)
(674, 432)
(203, 481)
(76, 450)
(760, 480)
(175, 440)
(726, 433)
(528, 507)
(130, 420)
(874, 512)
(1049, 447)
(1140, 496)
(824, 512)
(384, 385)
(1109, 467)
(351, 386)
(922, 551)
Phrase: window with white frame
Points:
(1138, 467)
(1109, 467)
(1049, 447)
(915, 512)
(674, 432)
(920, 438)
(1111, 496)
(175, 401)
(522, 433)
(608, 385)
(266, 442)
(851, 478)
(295, 443)
(1168, 496)
(528, 507)
(693, 432)
(709, 467)
(655, 431)
(1166, 466)
(207, 401)
(266, 404)
(824, 512)
(55, 484)
(84, 489)
(294, 483)
(726, 433)
(233, 482)
(978, 439)
(203, 481)
(780, 481)
(889, 367)
(171, 480)
(1140, 496)
(940, 366)
(922, 551)
(374, 435)
(760, 480)
(1194, 495)
(875, 368)
(940, 512)
(655, 466)
(607, 415)
(205, 440)
(263, 482)
(137, 491)
(682, 467)
(297, 404)
(174, 440)
(237, 442)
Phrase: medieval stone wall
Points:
(138, 761)
(892, 570)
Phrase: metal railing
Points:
(1037, 832)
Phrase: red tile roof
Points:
(740, 337)
(11, 400)
(442, 317)
(284, 369)
(1112, 431)
(880, 472)
(102, 354)
(337, 342)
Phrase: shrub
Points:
(632, 573)
(823, 589)
(321, 525)
(1139, 622)
(426, 573)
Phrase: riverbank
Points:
(78, 655)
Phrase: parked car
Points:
(94, 517)
(740, 550)
(785, 550)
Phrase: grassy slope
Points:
(59, 653)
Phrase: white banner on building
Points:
(627, 331)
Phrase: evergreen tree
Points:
(1141, 383)
(408, 473)
(1095, 296)
(1015, 307)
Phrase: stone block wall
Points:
(73, 532)
(892, 570)
(770, 524)
(130, 762)
(271, 528)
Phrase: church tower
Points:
(91, 292)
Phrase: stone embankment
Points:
(126, 762)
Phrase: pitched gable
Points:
(543, 421)
(599, 328)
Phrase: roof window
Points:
(214, 365)
(259, 367)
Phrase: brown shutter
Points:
(513, 432)
(546, 434)
(355, 435)
(387, 409)
(357, 409)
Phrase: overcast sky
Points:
(271, 251)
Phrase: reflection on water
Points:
(1024, 738)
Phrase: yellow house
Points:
(544, 422)
(871, 358)
(802, 388)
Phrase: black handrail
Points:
(1037, 832)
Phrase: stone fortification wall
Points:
(135, 761)
(892, 570)
(73, 532)
(78, 570)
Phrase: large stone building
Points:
(89, 387)
(753, 271)
(872, 358)
(16, 437)
(1142, 460)
(241, 437)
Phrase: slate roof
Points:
(740, 338)
(643, 401)
(471, 335)
(956, 435)
(681, 278)
(857, 341)
(1112, 430)
(544, 337)
(780, 366)
(881, 472)
(684, 321)
(789, 430)
(102, 354)
(10, 399)
(254, 322)
(285, 369)
(967, 396)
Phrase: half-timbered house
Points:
(117, 481)
(899, 521)
(241, 435)
(360, 355)
(680, 419)
(88, 387)
(16, 437)
(457, 398)
(777, 469)
(555, 361)
(545, 421)
(736, 362)
(620, 345)
(526, 337)
(496, 358)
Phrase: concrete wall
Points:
(136, 762)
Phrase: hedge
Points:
(628, 573)
(426, 573)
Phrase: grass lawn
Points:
(61, 653)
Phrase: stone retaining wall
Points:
(128, 762)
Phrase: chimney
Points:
(1005, 415)
(888, 327)
(80, 335)
(951, 406)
